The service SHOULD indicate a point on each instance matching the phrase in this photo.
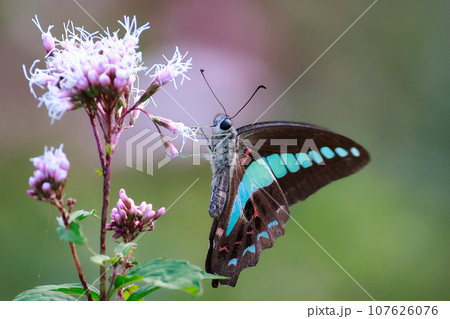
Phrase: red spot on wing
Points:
(244, 159)
(255, 214)
(223, 248)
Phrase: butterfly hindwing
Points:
(237, 239)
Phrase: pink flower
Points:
(82, 63)
(178, 128)
(175, 127)
(47, 39)
(163, 74)
(171, 150)
(129, 220)
(50, 175)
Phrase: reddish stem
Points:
(97, 140)
(105, 161)
(76, 261)
(152, 88)
(106, 187)
(123, 271)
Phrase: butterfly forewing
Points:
(303, 157)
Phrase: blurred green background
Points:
(385, 83)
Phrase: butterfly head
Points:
(222, 123)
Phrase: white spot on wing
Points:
(219, 232)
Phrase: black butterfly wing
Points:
(277, 165)
(244, 229)
(312, 156)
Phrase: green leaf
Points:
(62, 292)
(72, 234)
(172, 274)
(124, 249)
(34, 295)
(120, 104)
(142, 292)
(108, 149)
(129, 290)
(80, 215)
(113, 260)
(79, 291)
(160, 273)
(122, 281)
(205, 275)
(99, 171)
(60, 221)
(100, 259)
(135, 263)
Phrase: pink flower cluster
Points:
(163, 73)
(50, 175)
(129, 220)
(84, 65)
(99, 72)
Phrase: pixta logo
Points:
(143, 145)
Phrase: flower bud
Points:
(160, 212)
(50, 175)
(104, 80)
(93, 76)
(174, 127)
(129, 220)
(47, 39)
(175, 67)
(171, 150)
(46, 187)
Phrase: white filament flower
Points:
(175, 66)
(84, 63)
(178, 128)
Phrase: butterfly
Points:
(259, 171)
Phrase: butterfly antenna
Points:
(257, 89)
(204, 77)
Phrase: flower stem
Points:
(112, 279)
(73, 250)
(105, 162)
(106, 187)
(98, 140)
(80, 271)
(123, 271)
(153, 87)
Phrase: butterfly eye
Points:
(225, 125)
